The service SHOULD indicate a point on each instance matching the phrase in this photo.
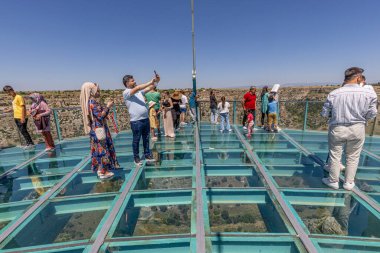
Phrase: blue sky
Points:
(50, 45)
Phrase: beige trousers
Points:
(352, 139)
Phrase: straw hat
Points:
(176, 95)
(151, 103)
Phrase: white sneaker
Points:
(334, 185)
(105, 175)
(244, 127)
(221, 131)
(27, 147)
(229, 130)
(348, 186)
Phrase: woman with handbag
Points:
(103, 156)
(40, 112)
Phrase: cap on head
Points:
(351, 72)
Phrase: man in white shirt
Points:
(348, 109)
(183, 108)
(138, 111)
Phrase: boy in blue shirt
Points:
(272, 114)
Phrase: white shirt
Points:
(183, 101)
(225, 109)
(350, 104)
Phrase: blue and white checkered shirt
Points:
(350, 104)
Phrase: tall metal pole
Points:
(194, 72)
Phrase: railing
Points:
(67, 122)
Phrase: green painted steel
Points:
(57, 125)
(305, 115)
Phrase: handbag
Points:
(100, 133)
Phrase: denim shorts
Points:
(183, 110)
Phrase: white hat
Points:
(151, 103)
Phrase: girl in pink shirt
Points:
(250, 123)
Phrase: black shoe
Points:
(138, 161)
(149, 158)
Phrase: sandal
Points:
(106, 175)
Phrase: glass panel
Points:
(167, 158)
(269, 145)
(211, 157)
(89, 183)
(298, 176)
(222, 144)
(287, 157)
(157, 246)
(243, 211)
(232, 176)
(334, 213)
(165, 178)
(9, 213)
(25, 188)
(348, 247)
(171, 145)
(258, 245)
(156, 214)
(62, 221)
(154, 220)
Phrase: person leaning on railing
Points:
(348, 109)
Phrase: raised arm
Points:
(146, 87)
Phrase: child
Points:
(20, 117)
(40, 112)
(250, 123)
(272, 113)
(153, 120)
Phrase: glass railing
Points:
(67, 122)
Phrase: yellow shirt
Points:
(18, 103)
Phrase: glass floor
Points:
(207, 192)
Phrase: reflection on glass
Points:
(233, 181)
(50, 227)
(305, 176)
(225, 157)
(154, 220)
(345, 248)
(226, 245)
(253, 218)
(87, 183)
(163, 183)
(28, 188)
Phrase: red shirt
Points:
(250, 101)
(250, 118)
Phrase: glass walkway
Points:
(208, 192)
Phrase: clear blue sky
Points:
(58, 44)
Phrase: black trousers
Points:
(176, 118)
(263, 117)
(22, 127)
(246, 115)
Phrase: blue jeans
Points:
(214, 115)
(140, 128)
(225, 119)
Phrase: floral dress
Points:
(103, 156)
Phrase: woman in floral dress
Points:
(103, 156)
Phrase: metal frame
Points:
(293, 220)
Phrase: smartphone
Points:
(155, 73)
